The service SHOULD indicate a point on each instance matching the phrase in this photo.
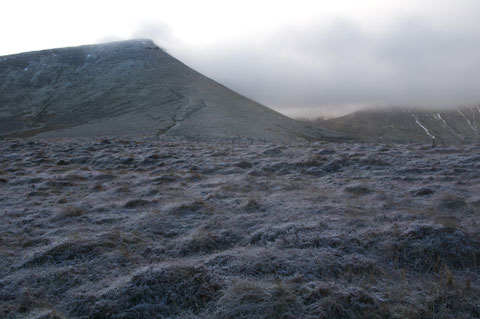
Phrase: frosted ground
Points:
(143, 228)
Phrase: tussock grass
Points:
(67, 253)
(248, 299)
(252, 205)
(133, 203)
(98, 187)
(203, 241)
(352, 302)
(161, 291)
(195, 207)
(358, 189)
(449, 202)
(70, 211)
(428, 248)
(308, 231)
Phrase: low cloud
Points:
(316, 69)
(160, 32)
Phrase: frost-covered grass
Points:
(151, 228)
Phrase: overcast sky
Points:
(302, 58)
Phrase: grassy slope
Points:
(144, 228)
(399, 125)
(129, 87)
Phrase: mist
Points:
(303, 58)
(331, 69)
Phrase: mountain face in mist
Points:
(128, 88)
(458, 126)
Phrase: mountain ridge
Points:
(405, 125)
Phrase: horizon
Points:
(303, 60)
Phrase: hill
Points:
(458, 126)
(128, 88)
